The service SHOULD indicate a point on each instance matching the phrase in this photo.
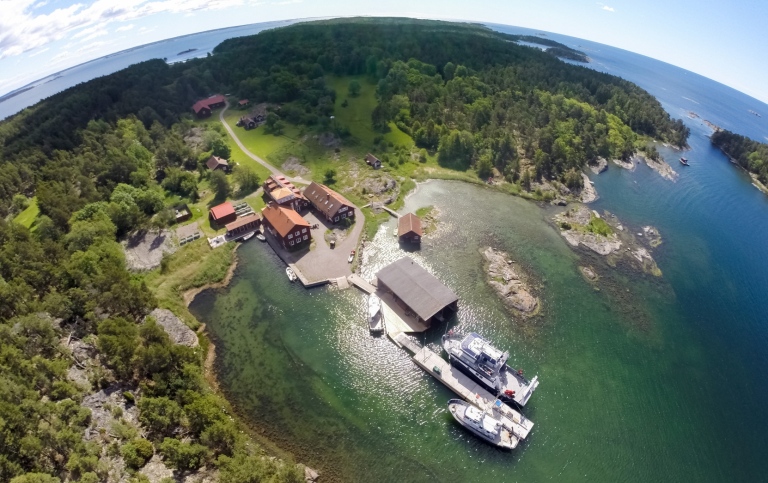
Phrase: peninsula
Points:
(149, 147)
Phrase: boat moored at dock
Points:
(291, 274)
(476, 357)
(482, 424)
(375, 319)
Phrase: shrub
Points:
(183, 456)
(136, 453)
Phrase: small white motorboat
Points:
(248, 236)
(291, 275)
(375, 320)
(260, 237)
(482, 424)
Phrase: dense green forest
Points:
(114, 155)
(750, 155)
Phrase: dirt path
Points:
(271, 168)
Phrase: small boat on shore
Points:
(260, 237)
(375, 322)
(291, 275)
(248, 236)
(684, 162)
(482, 424)
(351, 257)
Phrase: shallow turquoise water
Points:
(645, 379)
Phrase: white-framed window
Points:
(343, 208)
(303, 230)
(306, 236)
(290, 236)
(291, 242)
(298, 233)
(336, 219)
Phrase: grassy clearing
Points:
(193, 266)
(29, 215)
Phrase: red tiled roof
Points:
(284, 220)
(242, 221)
(409, 223)
(217, 99)
(222, 210)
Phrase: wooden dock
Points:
(361, 283)
(463, 385)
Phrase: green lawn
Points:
(28, 216)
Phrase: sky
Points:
(723, 40)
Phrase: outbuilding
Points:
(243, 225)
(418, 290)
(215, 162)
(372, 161)
(409, 229)
(222, 214)
(203, 107)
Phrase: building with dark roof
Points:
(372, 161)
(409, 229)
(203, 107)
(243, 225)
(284, 193)
(418, 290)
(222, 214)
(329, 203)
(215, 162)
(287, 226)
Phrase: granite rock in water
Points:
(507, 283)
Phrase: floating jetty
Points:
(463, 385)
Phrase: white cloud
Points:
(22, 29)
(124, 28)
(39, 52)
(608, 9)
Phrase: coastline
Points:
(189, 295)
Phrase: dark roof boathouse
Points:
(417, 289)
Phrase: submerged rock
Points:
(507, 282)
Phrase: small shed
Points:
(409, 229)
(420, 291)
(215, 162)
(243, 102)
(222, 214)
(182, 213)
(372, 161)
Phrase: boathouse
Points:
(284, 193)
(409, 229)
(203, 107)
(222, 214)
(329, 203)
(215, 162)
(287, 226)
(243, 225)
(417, 290)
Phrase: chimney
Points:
(327, 196)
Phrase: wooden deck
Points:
(463, 385)
(361, 283)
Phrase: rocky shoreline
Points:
(607, 237)
(660, 166)
(509, 284)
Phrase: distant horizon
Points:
(32, 84)
(722, 42)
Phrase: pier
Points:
(361, 283)
(464, 386)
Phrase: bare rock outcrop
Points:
(660, 166)
(598, 166)
(175, 328)
(508, 283)
(588, 192)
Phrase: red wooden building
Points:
(409, 229)
(203, 107)
(284, 193)
(287, 226)
(332, 205)
(222, 214)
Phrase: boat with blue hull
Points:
(477, 358)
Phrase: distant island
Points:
(115, 158)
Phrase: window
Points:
(306, 236)
(298, 233)
(291, 242)
(303, 230)
(290, 236)
(336, 219)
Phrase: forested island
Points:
(750, 155)
(85, 168)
